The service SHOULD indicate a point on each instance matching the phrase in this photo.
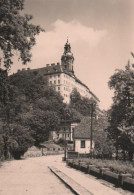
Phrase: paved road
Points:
(31, 176)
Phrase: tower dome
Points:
(67, 58)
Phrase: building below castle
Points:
(62, 77)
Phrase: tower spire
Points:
(67, 58)
(67, 39)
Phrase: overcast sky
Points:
(101, 34)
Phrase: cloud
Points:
(49, 45)
(84, 42)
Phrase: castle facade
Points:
(62, 77)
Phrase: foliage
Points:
(17, 36)
(116, 166)
(1, 148)
(70, 114)
(33, 107)
(29, 83)
(122, 111)
(16, 32)
(19, 141)
(3, 87)
(82, 104)
(61, 142)
(40, 108)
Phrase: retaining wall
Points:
(121, 180)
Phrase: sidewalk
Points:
(91, 183)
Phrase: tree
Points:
(35, 105)
(31, 84)
(40, 123)
(16, 32)
(82, 104)
(19, 141)
(122, 110)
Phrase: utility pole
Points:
(91, 133)
(65, 147)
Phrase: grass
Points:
(116, 166)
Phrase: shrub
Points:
(117, 166)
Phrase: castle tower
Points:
(67, 58)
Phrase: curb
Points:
(70, 183)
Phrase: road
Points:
(31, 176)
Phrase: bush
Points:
(116, 166)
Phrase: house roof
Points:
(49, 145)
(82, 131)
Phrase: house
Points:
(66, 130)
(82, 142)
(49, 147)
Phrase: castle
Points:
(62, 77)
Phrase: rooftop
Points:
(51, 69)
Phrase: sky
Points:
(101, 34)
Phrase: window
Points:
(58, 88)
(58, 75)
(82, 143)
(54, 81)
(59, 81)
(50, 82)
(68, 135)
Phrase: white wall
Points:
(78, 146)
(66, 84)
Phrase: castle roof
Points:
(51, 69)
